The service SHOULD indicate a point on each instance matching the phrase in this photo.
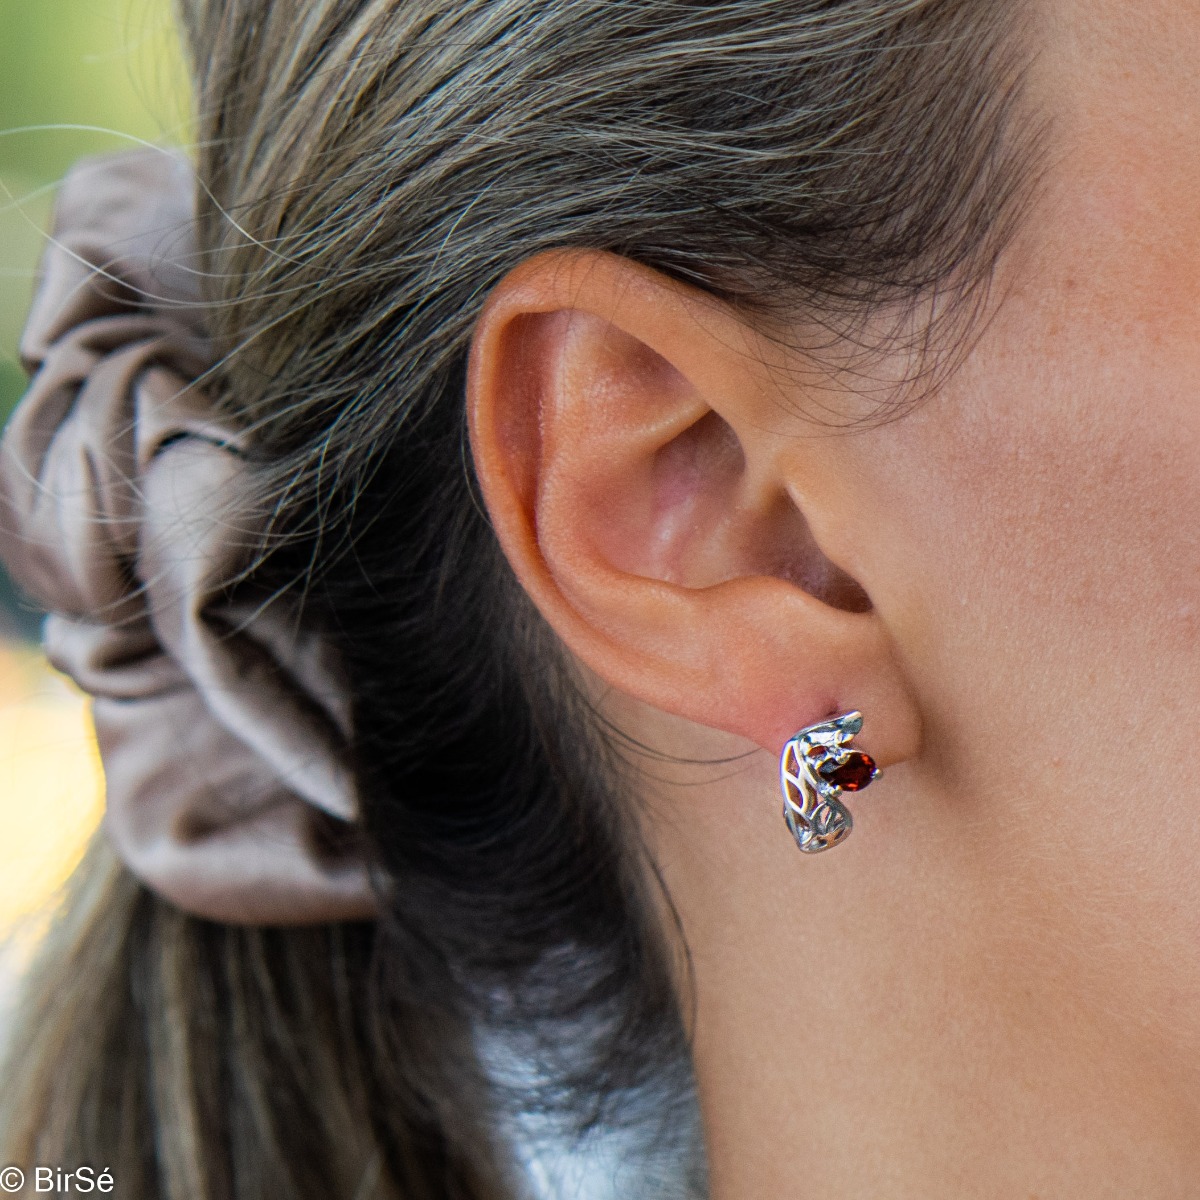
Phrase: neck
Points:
(895, 1019)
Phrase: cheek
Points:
(1044, 589)
(1057, 492)
(1075, 523)
(1062, 516)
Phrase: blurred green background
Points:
(76, 77)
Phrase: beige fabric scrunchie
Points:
(223, 729)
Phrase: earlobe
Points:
(630, 454)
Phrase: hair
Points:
(368, 170)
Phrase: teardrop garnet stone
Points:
(852, 775)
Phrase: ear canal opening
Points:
(708, 457)
(713, 524)
(801, 561)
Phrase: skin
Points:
(993, 988)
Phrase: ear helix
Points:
(817, 766)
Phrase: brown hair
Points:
(368, 170)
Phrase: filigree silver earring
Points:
(816, 767)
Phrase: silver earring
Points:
(816, 767)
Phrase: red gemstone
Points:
(852, 775)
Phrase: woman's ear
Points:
(639, 465)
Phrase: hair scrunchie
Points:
(223, 728)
